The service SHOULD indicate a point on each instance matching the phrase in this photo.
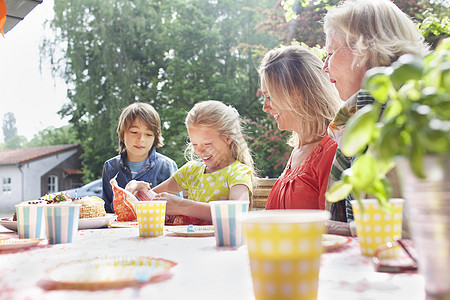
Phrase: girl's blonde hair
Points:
(376, 31)
(224, 119)
(295, 81)
(148, 115)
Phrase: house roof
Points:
(23, 155)
(16, 10)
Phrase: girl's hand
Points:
(175, 205)
(135, 186)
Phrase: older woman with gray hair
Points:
(360, 35)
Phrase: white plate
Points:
(6, 236)
(198, 231)
(88, 223)
(8, 223)
(124, 224)
(91, 223)
(108, 272)
(330, 241)
(12, 244)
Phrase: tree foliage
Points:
(301, 20)
(171, 54)
(9, 126)
(54, 136)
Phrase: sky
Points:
(34, 97)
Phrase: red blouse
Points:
(304, 187)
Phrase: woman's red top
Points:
(304, 187)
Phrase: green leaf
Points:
(338, 191)
(407, 67)
(415, 156)
(390, 142)
(358, 131)
(382, 190)
(365, 171)
(378, 83)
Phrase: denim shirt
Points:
(157, 168)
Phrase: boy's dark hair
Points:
(147, 114)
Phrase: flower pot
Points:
(428, 212)
(376, 227)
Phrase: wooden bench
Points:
(261, 190)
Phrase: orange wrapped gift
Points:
(124, 202)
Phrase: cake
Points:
(91, 207)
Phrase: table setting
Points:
(146, 259)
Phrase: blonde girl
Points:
(219, 167)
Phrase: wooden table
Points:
(203, 270)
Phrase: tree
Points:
(9, 126)
(171, 54)
(15, 142)
(54, 136)
(300, 20)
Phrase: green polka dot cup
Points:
(151, 216)
(376, 227)
(284, 248)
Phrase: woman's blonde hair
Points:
(224, 119)
(376, 31)
(295, 81)
(147, 114)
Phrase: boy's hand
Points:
(135, 186)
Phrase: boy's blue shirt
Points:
(157, 168)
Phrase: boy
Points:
(139, 132)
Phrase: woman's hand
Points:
(135, 186)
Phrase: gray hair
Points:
(376, 31)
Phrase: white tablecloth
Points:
(204, 271)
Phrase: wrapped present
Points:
(145, 195)
(124, 203)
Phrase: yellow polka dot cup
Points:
(151, 216)
(284, 248)
(376, 227)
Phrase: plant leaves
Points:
(365, 171)
(378, 83)
(358, 131)
(338, 191)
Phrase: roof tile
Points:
(23, 155)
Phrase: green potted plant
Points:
(409, 126)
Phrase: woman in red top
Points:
(301, 99)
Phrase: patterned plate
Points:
(123, 224)
(108, 272)
(330, 241)
(5, 236)
(198, 231)
(12, 244)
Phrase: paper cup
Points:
(151, 216)
(61, 222)
(227, 223)
(284, 247)
(30, 221)
(376, 227)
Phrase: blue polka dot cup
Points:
(151, 216)
(375, 227)
(284, 248)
